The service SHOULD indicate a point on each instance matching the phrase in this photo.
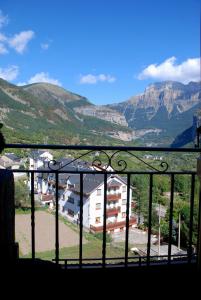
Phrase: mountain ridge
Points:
(166, 107)
(45, 111)
(155, 117)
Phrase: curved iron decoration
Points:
(97, 163)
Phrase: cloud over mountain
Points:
(188, 70)
(41, 77)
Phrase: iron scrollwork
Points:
(109, 162)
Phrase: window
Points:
(98, 206)
(124, 201)
(71, 200)
(98, 192)
(78, 203)
(97, 220)
(123, 188)
(123, 214)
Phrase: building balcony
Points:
(113, 226)
(113, 197)
(113, 211)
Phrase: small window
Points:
(78, 203)
(97, 220)
(98, 206)
(123, 214)
(123, 188)
(99, 192)
(124, 201)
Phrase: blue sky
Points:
(106, 50)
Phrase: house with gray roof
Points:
(93, 202)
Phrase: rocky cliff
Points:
(166, 108)
(188, 136)
(103, 113)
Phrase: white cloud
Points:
(3, 19)
(45, 46)
(3, 38)
(41, 77)
(3, 49)
(19, 41)
(188, 70)
(9, 73)
(93, 79)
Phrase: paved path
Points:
(136, 236)
(44, 233)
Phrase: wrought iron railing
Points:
(106, 161)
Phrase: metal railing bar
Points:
(86, 147)
(81, 220)
(150, 218)
(57, 217)
(191, 217)
(103, 172)
(171, 218)
(199, 234)
(32, 218)
(104, 220)
(122, 258)
(127, 219)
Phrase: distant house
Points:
(47, 200)
(38, 158)
(10, 161)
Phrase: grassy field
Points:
(69, 246)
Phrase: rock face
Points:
(166, 106)
(189, 135)
(103, 113)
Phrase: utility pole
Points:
(179, 231)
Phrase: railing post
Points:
(8, 247)
(199, 217)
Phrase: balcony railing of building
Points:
(109, 158)
(113, 197)
(113, 211)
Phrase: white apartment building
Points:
(93, 202)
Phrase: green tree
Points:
(22, 197)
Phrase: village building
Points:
(69, 190)
(38, 158)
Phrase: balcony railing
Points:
(113, 197)
(121, 168)
(115, 225)
(113, 211)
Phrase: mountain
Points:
(44, 112)
(163, 111)
(188, 136)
